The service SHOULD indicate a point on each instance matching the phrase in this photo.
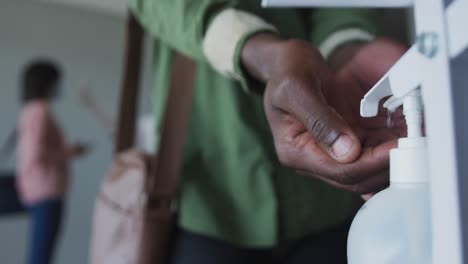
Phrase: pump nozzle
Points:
(399, 81)
(408, 163)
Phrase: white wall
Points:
(88, 45)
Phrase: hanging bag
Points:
(10, 203)
(136, 206)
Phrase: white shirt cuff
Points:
(223, 35)
(341, 37)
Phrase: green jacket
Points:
(233, 187)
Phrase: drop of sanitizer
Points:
(390, 122)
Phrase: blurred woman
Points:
(43, 159)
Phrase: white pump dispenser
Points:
(393, 227)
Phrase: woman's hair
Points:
(40, 80)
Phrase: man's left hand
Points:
(357, 68)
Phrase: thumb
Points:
(328, 129)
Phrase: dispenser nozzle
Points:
(370, 102)
(399, 81)
(408, 162)
(393, 103)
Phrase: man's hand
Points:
(312, 130)
(358, 67)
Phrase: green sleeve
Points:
(330, 20)
(179, 23)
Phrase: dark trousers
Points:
(324, 248)
(9, 199)
(46, 218)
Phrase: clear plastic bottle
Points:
(393, 227)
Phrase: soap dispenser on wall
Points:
(394, 226)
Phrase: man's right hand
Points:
(311, 136)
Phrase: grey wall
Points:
(459, 69)
(88, 46)
(459, 77)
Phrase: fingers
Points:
(372, 160)
(305, 101)
(328, 130)
(371, 185)
(375, 183)
(368, 174)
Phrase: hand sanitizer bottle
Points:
(394, 226)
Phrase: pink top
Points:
(42, 155)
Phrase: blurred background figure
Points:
(43, 159)
(87, 42)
